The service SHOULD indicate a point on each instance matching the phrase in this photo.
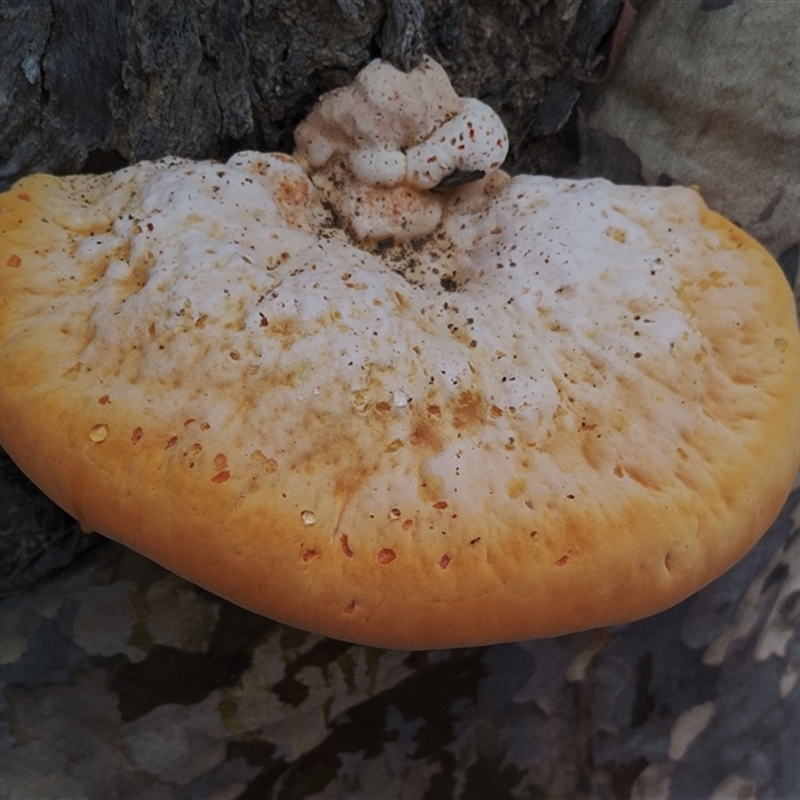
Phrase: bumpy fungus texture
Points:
(344, 394)
(378, 147)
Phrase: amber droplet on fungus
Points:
(98, 433)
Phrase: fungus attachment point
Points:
(499, 400)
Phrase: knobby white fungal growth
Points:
(381, 144)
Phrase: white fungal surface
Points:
(520, 298)
(474, 140)
(388, 138)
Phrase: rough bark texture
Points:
(91, 86)
(36, 536)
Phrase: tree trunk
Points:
(93, 86)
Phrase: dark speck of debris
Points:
(384, 245)
(460, 177)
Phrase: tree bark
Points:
(93, 86)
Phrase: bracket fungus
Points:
(354, 393)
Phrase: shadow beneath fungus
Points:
(169, 675)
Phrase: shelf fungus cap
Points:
(346, 393)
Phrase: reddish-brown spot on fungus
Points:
(310, 554)
(221, 477)
(345, 545)
(136, 435)
(469, 410)
(24, 196)
(14, 261)
(171, 442)
(386, 556)
(269, 465)
(441, 504)
(562, 561)
(350, 607)
(444, 561)
(103, 400)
